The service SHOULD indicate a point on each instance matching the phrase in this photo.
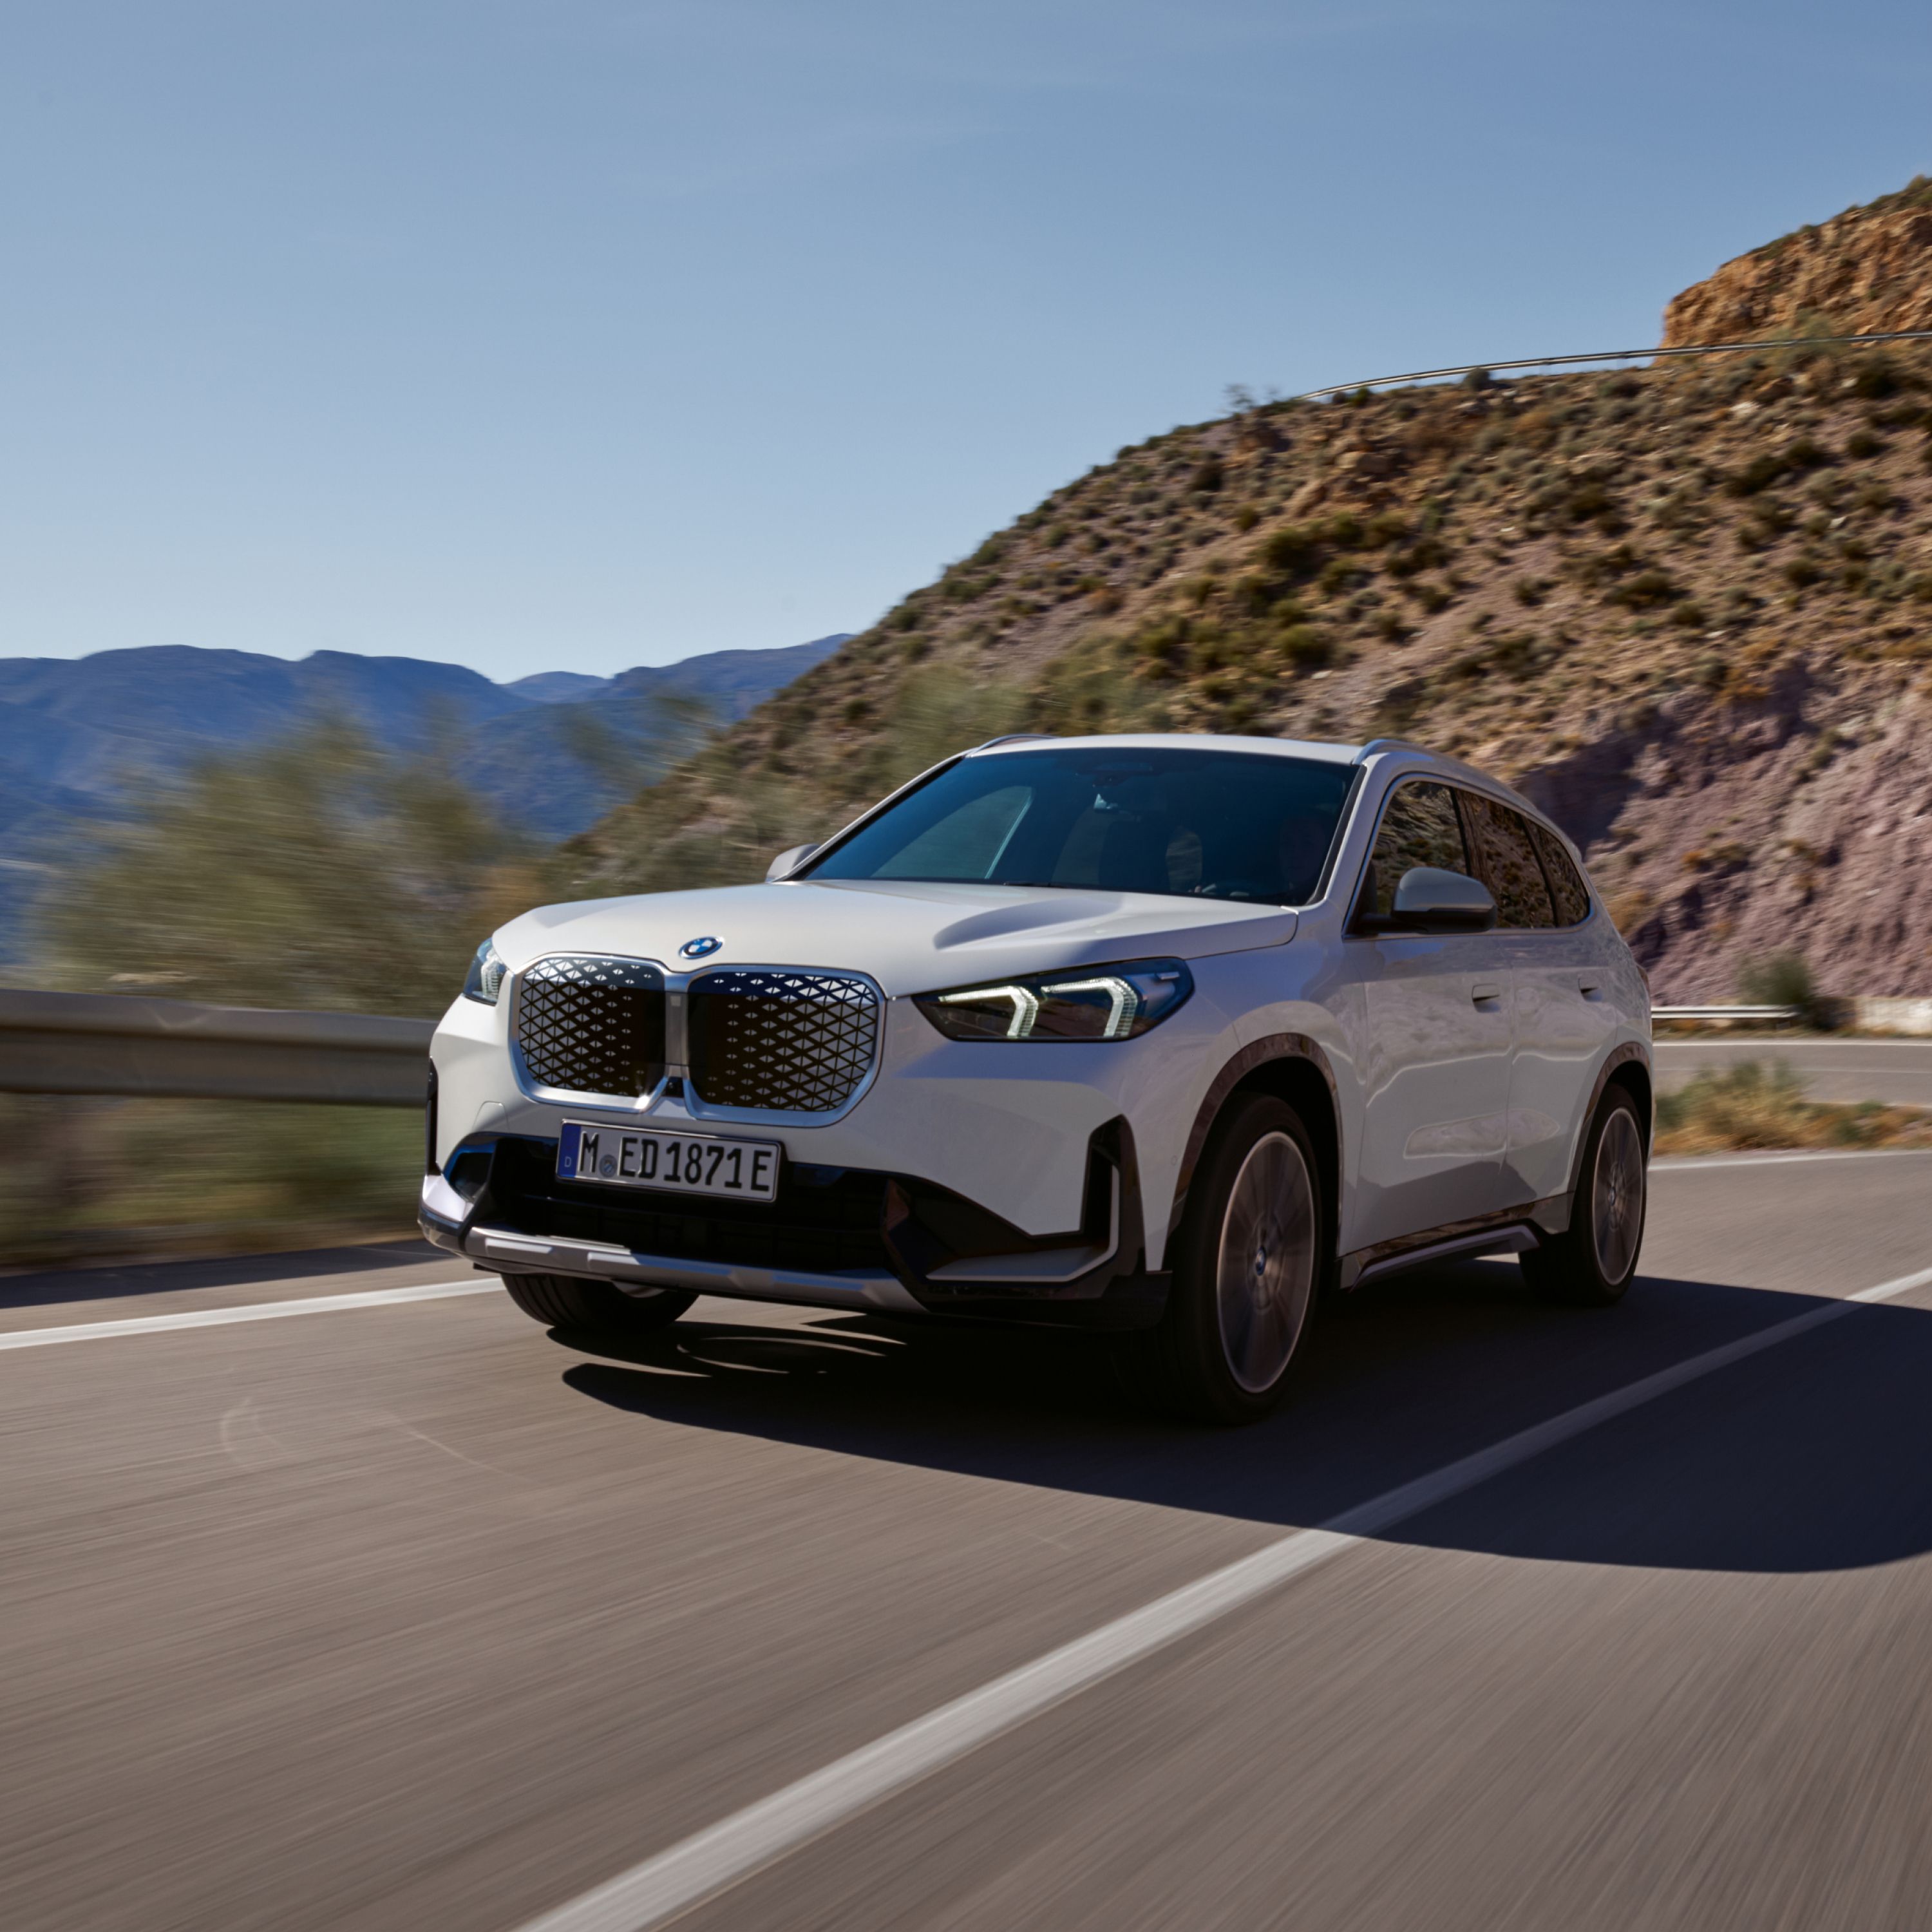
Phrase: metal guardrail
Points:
(1619, 355)
(120, 1044)
(1764, 1015)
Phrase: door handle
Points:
(1591, 989)
(1485, 989)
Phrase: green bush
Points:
(1292, 551)
(93, 1178)
(1759, 473)
(1781, 980)
(1749, 1106)
(316, 873)
(1646, 590)
(1306, 647)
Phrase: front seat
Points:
(1133, 854)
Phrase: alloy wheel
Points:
(1617, 1195)
(1265, 1275)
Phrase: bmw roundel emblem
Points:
(699, 948)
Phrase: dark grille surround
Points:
(780, 1041)
(592, 1026)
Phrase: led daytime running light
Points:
(1065, 1010)
(488, 972)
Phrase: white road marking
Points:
(257, 1311)
(675, 1880)
(1703, 1163)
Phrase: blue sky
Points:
(576, 334)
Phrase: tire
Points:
(569, 1301)
(1591, 1265)
(1249, 1261)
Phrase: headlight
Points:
(486, 974)
(1095, 1003)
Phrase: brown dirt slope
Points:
(1865, 271)
(1688, 610)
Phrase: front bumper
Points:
(846, 1238)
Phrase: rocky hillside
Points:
(1863, 272)
(1688, 610)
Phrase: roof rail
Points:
(1018, 738)
(1461, 768)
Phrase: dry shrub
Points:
(1757, 1105)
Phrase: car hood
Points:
(911, 937)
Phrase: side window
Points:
(1510, 863)
(1419, 827)
(1566, 883)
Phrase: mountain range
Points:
(556, 749)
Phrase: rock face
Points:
(1743, 830)
(1867, 270)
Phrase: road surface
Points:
(402, 1613)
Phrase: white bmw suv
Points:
(1162, 1036)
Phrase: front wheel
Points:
(570, 1301)
(1249, 1260)
(1591, 1264)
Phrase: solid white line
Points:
(257, 1311)
(661, 1887)
(1702, 1163)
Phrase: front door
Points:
(1433, 1054)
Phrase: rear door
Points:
(1565, 1018)
(1434, 1053)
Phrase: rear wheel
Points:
(1591, 1263)
(1249, 1260)
(569, 1301)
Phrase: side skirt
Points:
(1508, 1230)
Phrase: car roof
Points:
(1180, 741)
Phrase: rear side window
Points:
(1510, 864)
(1419, 828)
(1566, 883)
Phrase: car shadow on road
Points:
(1808, 1456)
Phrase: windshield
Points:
(1208, 824)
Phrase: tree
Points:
(316, 872)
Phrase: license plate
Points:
(676, 1163)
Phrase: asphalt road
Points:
(1897, 1072)
(408, 1614)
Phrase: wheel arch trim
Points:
(1276, 1049)
(1633, 1055)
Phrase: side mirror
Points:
(1429, 900)
(788, 861)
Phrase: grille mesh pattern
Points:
(790, 1042)
(592, 1026)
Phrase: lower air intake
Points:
(783, 1041)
